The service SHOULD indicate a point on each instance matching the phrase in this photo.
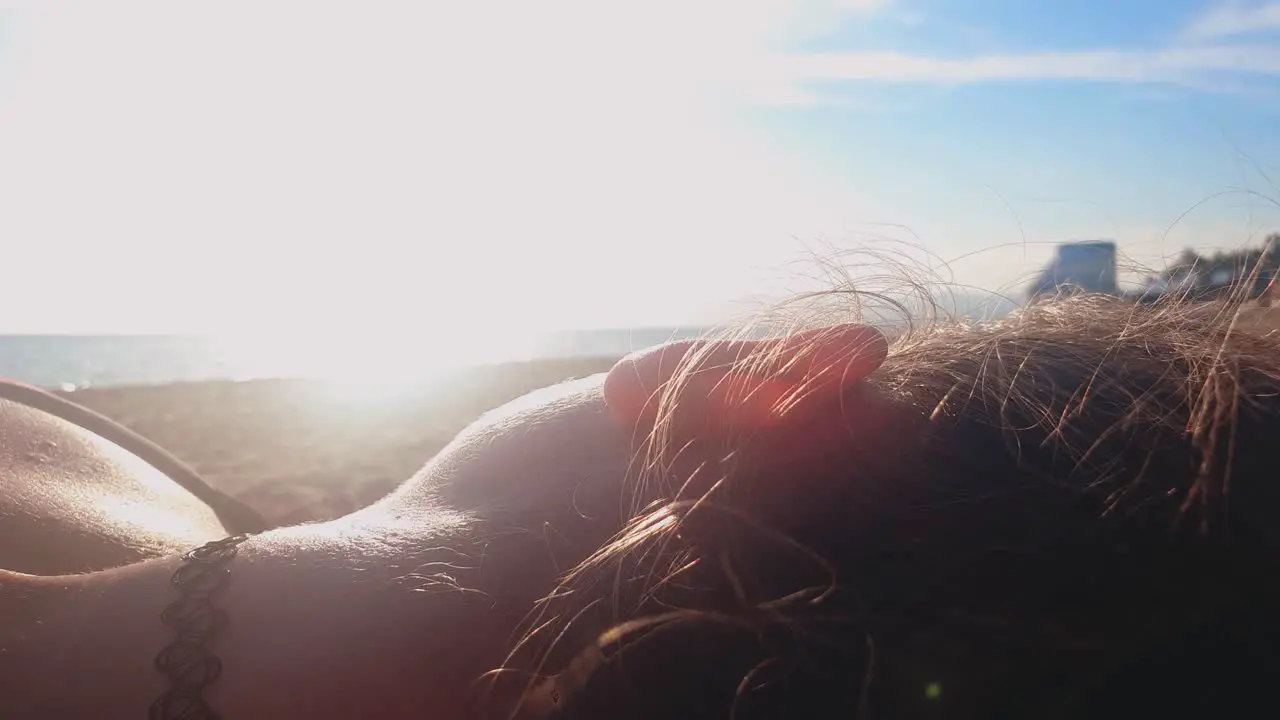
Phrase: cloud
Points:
(1232, 19)
(892, 11)
(863, 6)
(1171, 65)
(1208, 56)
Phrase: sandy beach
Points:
(300, 450)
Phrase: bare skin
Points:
(71, 501)
(342, 619)
(395, 610)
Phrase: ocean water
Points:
(77, 361)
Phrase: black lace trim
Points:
(187, 661)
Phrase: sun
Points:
(371, 367)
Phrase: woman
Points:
(1066, 514)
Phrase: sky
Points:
(390, 167)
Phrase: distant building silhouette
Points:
(1088, 266)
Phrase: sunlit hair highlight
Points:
(1138, 411)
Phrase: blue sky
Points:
(574, 163)
(1086, 118)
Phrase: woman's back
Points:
(72, 500)
(1069, 514)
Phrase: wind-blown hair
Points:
(1073, 512)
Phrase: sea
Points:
(70, 362)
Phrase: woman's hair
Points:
(1069, 513)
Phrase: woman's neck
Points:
(323, 621)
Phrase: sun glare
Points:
(373, 367)
(416, 171)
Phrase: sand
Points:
(298, 451)
(302, 450)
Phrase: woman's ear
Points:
(745, 383)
